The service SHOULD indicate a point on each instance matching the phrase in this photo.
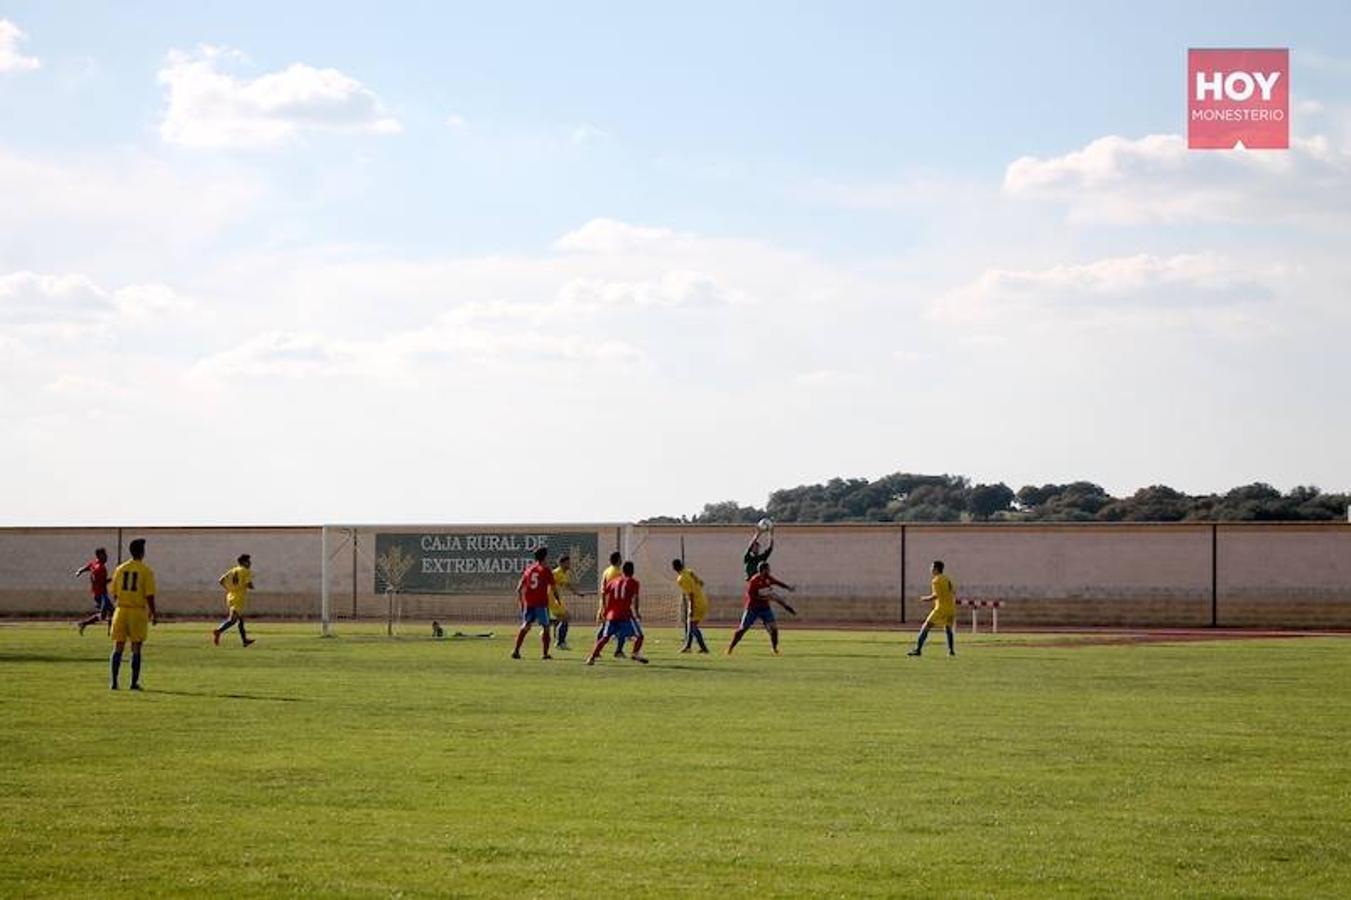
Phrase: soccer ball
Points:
(765, 524)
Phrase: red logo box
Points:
(1238, 96)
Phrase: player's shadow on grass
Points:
(689, 667)
(217, 695)
(48, 658)
(880, 654)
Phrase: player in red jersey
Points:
(532, 591)
(621, 616)
(759, 594)
(98, 586)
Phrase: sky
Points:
(393, 263)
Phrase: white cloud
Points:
(30, 299)
(1142, 288)
(75, 385)
(612, 236)
(11, 60)
(410, 355)
(832, 379)
(586, 134)
(120, 200)
(278, 353)
(674, 290)
(457, 121)
(1157, 179)
(152, 301)
(208, 107)
(36, 302)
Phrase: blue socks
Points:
(694, 633)
(116, 665)
(135, 668)
(923, 636)
(231, 623)
(563, 632)
(950, 636)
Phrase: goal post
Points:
(333, 539)
(339, 541)
(409, 577)
(325, 594)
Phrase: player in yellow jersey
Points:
(238, 581)
(612, 571)
(134, 593)
(696, 604)
(944, 597)
(558, 610)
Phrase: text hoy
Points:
(1235, 86)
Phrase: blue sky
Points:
(336, 243)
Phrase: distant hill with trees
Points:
(907, 497)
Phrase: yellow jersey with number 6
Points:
(692, 586)
(562, 581)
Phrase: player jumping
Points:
(134, 593)
(755, 555)
(97, 568)
(621, 615)
(696, 604)
(944, 597)
(532, 591)
(237, 583)
(759, 594)
(558, 610)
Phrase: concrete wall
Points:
(1279, 575)
(362, 601)
(36, 566)
(1295, 576)
(1273, 575)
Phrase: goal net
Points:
(410, 577)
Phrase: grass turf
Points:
(367, 766)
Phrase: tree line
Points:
(907, 497)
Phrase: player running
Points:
(558, 610)
(238, 581)
(621, 615)
(696, 604)
(944, 597)
(754, 555)
(532, 592)
(134, 593)
(97, 569)
(759, 594)
(612, 571)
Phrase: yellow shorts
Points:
(942, 617)
(236, 608)
(699, 612)
(130, 625)
(558, 609)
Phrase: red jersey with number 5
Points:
(619, 596)
(537, 579)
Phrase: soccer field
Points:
(368, 766)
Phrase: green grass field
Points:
(365, 766)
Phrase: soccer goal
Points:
(406, 578)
